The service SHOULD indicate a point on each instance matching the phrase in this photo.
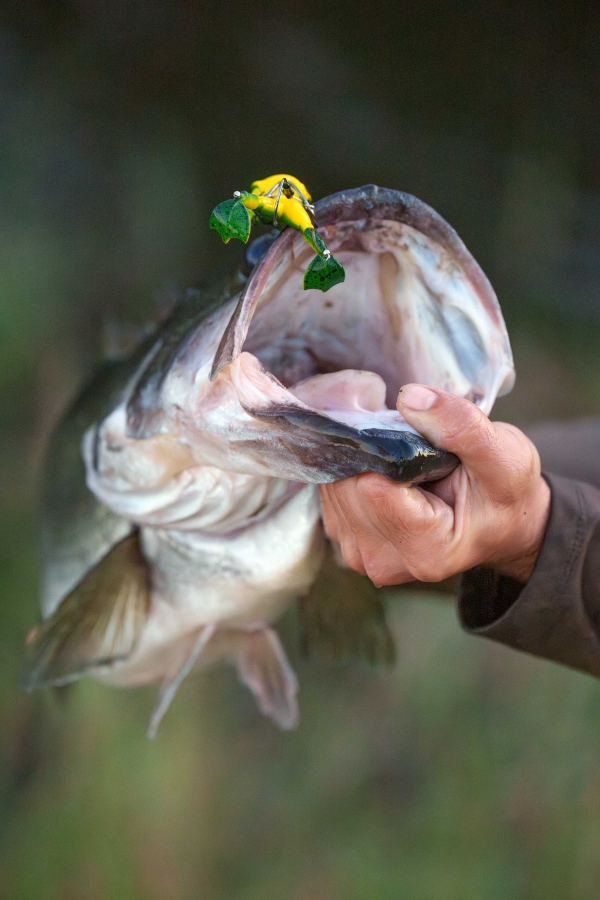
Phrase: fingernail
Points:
(417, 397)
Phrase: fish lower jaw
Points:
(345, 428)
(352, 397)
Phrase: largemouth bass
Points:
(181, 514)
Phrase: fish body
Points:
(181, 514)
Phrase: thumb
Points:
(457, 425)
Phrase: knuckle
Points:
(430, 566)
(372, 565)
(391, 514)
(332, 526)
(522, 466)
(415, 527)
(470, 423)
(352, 556)
(332, 531)
(384, 565)
(339, 497)
(373, 487)
(429, 572)
(425, 518)
(350, 510)
(405, 517)
(388, 579)
(440, 573)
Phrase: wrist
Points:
(527, 535)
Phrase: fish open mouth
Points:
(415, 307)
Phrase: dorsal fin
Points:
(98, 623)
(122, 339)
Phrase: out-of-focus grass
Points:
(468, 772)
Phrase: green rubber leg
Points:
(231, 219)
(323, 273)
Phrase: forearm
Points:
(556, 614)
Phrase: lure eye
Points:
(256, 249)
(237, 195)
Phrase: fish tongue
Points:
(354, 397)
(348, 389)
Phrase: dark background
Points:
(470, 771)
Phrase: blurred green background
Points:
(468, 772)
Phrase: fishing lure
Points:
(278, 201)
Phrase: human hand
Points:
(492, 510)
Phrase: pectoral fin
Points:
(98, 623)
(342, 619)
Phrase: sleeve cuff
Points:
(484, 597)
(547, 616)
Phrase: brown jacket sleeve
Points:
(556, 615)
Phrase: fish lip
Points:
(399, 455)
(373, 202)
(367, 203)
(232, 341)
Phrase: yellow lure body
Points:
(279, 200)
(264, 185)
(290, 210)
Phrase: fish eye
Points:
(257, 249)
